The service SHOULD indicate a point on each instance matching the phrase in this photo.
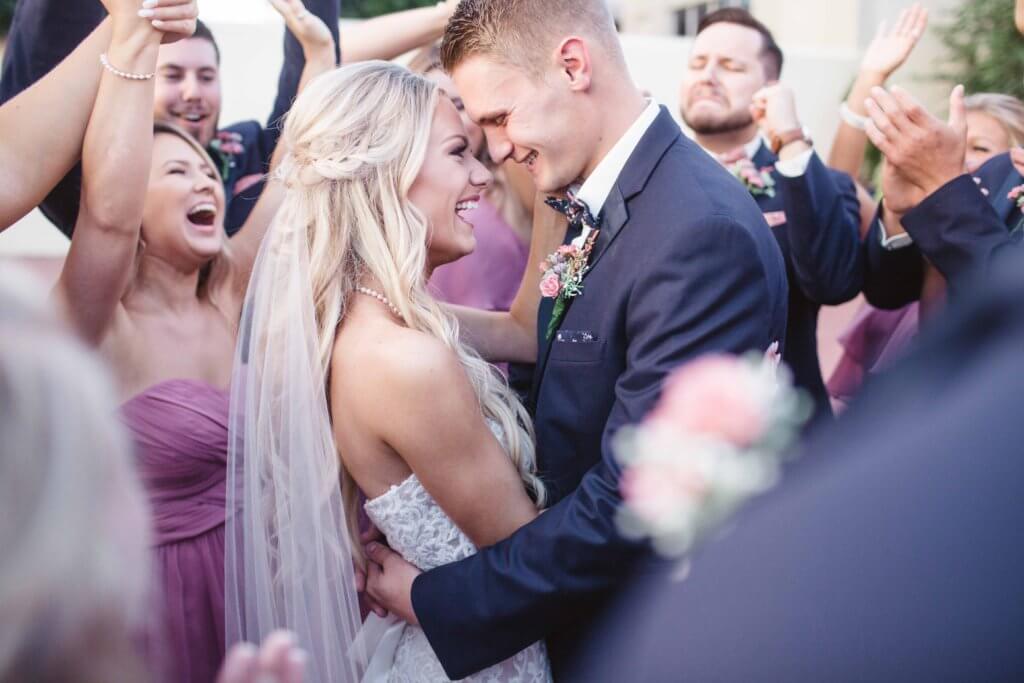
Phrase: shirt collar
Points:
(750, 149)
(595, 190)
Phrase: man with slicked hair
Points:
(683, 264)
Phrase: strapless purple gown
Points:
(180, 431)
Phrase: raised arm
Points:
(886, 53)
(41, 142)
(512, 336)
(319, 49)
(391, 35)
(115, 160)
(298, 52)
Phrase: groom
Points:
(683, 264)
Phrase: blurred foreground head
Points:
(73, 521)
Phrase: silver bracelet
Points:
(123, 74)
(853, 120)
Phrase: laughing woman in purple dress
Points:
(152, 282)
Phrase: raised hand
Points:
(312, 33)
(774, 109)
(921, 151)
(278, 661)
(175, 19)
(891, 47)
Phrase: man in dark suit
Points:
(188, 94)
(890, 552)
(683, 264)
(733, 102)
(911, 228)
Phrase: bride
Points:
(348, 371)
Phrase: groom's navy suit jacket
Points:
(684, 265)
(816, 219)
(946, 232)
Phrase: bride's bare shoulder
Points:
(395, 364)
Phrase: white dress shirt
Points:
(596, 188)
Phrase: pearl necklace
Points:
(379, 297)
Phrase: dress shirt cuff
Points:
(896, 241)
(795, 167)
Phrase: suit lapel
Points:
(614, 216)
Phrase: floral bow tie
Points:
(563, 271)
(575, 210)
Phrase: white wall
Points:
(251, 48)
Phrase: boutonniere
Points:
(717, 437)
(1017, 196)
(563, 273)
(758, 181)
(228, 144)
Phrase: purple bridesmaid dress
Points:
(180, 431)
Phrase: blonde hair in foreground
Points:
(74, 570)
(357, 138)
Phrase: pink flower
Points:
(567, 250)
(716, 395)
(550, 286)
(655, 490)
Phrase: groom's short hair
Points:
(522, 32)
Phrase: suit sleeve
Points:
(892, 278)
(823, 228)
(484, 609)
(42, 34)
(959, 232)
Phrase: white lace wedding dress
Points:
(418, 529)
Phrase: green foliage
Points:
(6, 12)
(363, 9)
(985, 51)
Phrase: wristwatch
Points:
(780, 140)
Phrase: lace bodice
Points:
(416, 527)
(419, 530)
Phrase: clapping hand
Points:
(922, 152)
(891, 47)
(312, 33)
(278, 661)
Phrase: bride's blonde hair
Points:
(356, 140)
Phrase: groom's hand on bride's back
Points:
(389, 581)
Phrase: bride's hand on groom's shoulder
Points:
(389, 581)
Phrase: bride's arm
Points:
(426, 410)
(512, 336)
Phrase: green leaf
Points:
(556, 316)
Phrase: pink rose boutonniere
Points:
(563, 273)
(228, 144)
(715, 439)
(758, 181)
(1017, 195)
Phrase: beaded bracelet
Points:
(123, 74)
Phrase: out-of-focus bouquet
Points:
(716, 438)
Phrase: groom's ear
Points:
(573, 60)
